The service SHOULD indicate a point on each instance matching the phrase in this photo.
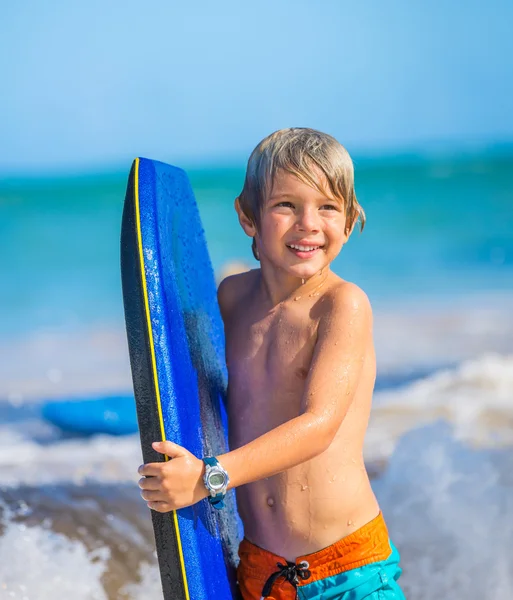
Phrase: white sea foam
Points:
(475, 397)
(449, 510)
(37, 563)
(149, 586)
(103, 458)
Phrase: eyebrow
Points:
(274, 196)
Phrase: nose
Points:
(309, 220)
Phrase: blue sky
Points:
(93, 84)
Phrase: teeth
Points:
(303, 248)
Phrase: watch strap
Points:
(217, 501)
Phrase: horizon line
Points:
(406, 156)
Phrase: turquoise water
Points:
(438, 227)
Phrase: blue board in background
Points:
(113, 415)
(176, 343)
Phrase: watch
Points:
(216, 481)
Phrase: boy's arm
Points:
(343, 336)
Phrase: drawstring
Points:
(290, 572)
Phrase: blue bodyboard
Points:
(176, 343)
(112, 415)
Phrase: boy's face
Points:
(301, 229)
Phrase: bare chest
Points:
(268, 360)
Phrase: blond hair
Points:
(301, 152)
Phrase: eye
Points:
(285, 204)
(329, 207)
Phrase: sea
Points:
(436, 260)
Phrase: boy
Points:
(301, 368)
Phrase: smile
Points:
(303, 248)
(303, 252)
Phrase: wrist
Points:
(216, 481)
(200, 486)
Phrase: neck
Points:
(279, 286)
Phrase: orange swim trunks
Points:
(364, 564)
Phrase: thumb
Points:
(170, 448)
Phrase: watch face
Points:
(216, 480)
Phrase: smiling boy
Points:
(301, 371)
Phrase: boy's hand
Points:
(173, 484)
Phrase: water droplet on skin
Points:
(302, 282)
(270, 501)
(304, 487)
(349, 523)
(297, 298)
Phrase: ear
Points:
(245, 222)
(349, 227)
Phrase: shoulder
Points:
(233, 289)
(347, 305)
(347, 294)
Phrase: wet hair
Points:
(302, 152)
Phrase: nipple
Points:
(301, 373)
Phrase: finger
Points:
(152, 496)
(161, 507)
(170, 449)
(149, 483)
(150, 469)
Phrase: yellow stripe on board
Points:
(153, 359)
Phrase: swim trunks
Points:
(364, 564)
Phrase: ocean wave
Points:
(101, 458)
(92, 542)
(449, 510)
(59, 567)
(448, 507)
(476, 398)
